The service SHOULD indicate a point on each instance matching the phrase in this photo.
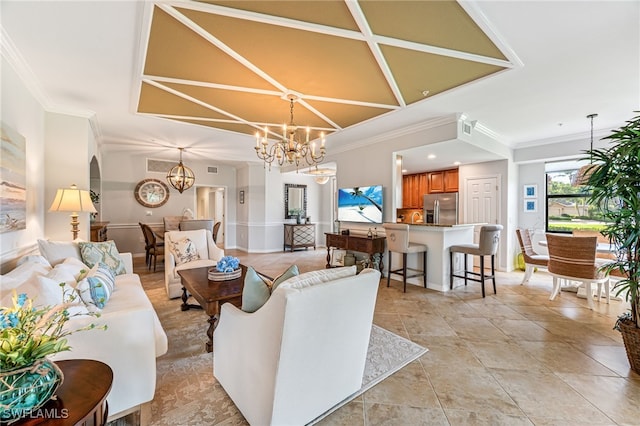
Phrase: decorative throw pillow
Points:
(97, 287)
(104, 274)
(184, 250)
(102, 252)
(57, 251)
(258, 289)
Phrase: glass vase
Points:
(24, 390)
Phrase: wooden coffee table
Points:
(210, 294)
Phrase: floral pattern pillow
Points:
(184, 250)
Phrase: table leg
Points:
(186, 306)
(213, 322)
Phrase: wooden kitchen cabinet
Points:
(451, 180)
(443, 181)
(413, 188)
(436, 182)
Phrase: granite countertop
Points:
(438, 225)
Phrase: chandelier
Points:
(292, 148)
(180, 176)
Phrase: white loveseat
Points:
(132, 341)
(302, 352)
(208, 252)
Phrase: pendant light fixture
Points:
(180, 176)
(582, 176)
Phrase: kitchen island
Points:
(438, 239)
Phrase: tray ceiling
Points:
(231, 64)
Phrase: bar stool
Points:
(398, 241)
(488, 246)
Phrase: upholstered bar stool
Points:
(398, 241)
(488, 246)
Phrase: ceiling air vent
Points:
(212, 169)
(159, 166)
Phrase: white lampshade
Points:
(72, 199)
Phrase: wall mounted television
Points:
(360, 204)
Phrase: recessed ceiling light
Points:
(404, 170)
(456, 163)
(431, 156)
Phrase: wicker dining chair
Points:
(574, 259)
(531, 258)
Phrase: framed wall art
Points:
(13, 194)
(531, 191)
(530, 206)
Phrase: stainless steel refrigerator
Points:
(441, 209)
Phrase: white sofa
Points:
(130, 345)
(302, 352)
(208, 252)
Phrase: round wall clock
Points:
(151, 193)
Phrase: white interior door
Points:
(481, 203)
(210, 205)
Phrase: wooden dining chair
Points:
(574, 259)
(531, 258)
(153, 247)
(216, 228)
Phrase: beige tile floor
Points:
(511, 358)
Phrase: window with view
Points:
(567, 206)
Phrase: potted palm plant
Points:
(614, 181)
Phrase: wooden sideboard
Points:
(299, 236)
(99, 231)
(374, 247)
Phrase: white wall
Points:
(66, 135)
(20, 110)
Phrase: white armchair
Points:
(301, 353)
(208, 252)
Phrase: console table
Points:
(299, 236)
(99, 231)
(374, 247)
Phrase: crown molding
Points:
(408, 130)
(15, 59)
(13, 56)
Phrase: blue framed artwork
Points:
(530, 206)
(531, 191)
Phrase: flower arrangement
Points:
(28, 334)
(228, 264)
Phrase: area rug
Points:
(188, 394)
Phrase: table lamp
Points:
(73, 200)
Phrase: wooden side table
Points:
(82, 397)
